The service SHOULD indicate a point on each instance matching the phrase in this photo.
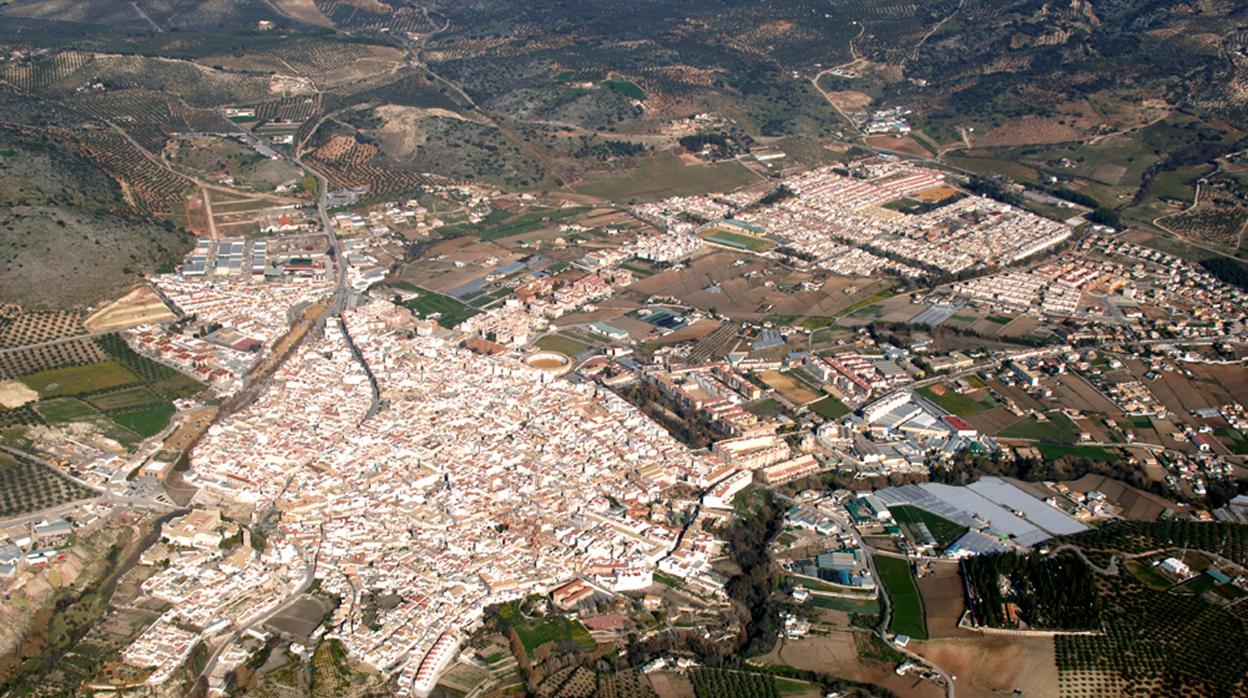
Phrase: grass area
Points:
(625, 87)
(669, 580)
(528, 222)
(1057, 430)
(147, 421)
(853, 309)
(1147, 573)
(870, 646)
(836, 603)
(955, 402)
(486, 299)
(794, 687)
(124, 399)
(665, 175)
(534, 633)
(904, 596)
(739, 241)
(450, 312)
(767, 407)
(818, 322)
(64, 409)
(873, 311)
(945, 532)
(829, 408)
(560, 344)
(73, 380)
(1096, 453)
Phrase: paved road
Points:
(881, 629)
(1111, 569)
(262, 617)
(340, 263)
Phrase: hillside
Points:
(69, 237)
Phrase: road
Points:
(262, 617)
(886, 609)
(1110, 570)
(341, 293)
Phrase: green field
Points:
(865, 607)
(64, 409)
(528, 222)
(147, 421)
(124, 399)
(739, 241)
(829, 408)
(159, 377)
(957, 403)
(862, 304)
(627, 88)
(794, 687)
(560, 344)
(667, 175)
(73, 380)
(945, 532)
(1057, 430)
(1147, 573)
(450, 311)
(534, 633)
(904, 596)
(767, 407)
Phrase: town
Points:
(575, 409)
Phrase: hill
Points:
(70, 238)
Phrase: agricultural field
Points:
(146, 421)
(507, 226)
(162, 379)
(124, 399)
(64, 409)
(26, 486)
(667, 175)
(100, 382)
(75, 380)
(865, 607)
(952, 401)
(1056, 429)
(732, 683)
(37, 327)
(1157, 642)
(903, 595)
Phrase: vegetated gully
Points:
(105, 590)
